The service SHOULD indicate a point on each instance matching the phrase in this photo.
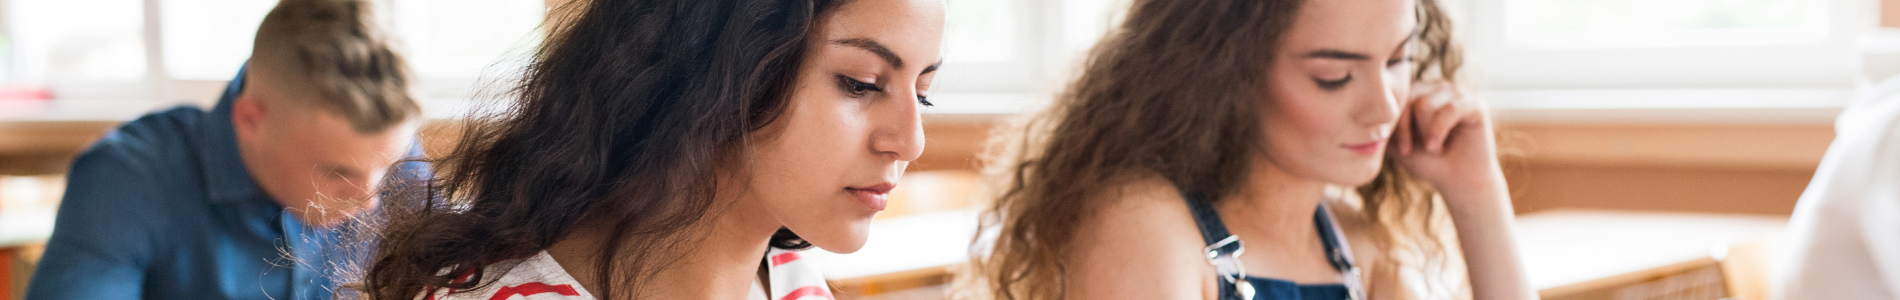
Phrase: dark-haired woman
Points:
(1258, 150)
(659, 149)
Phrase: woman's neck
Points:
(1276, 201)
(1273, 215)
(717, 259)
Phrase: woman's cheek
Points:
(1311, 117)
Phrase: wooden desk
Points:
(905, 252)
(20, 228)
(1596, 254)
(27, 207)
(40, 137)
(1570, 254)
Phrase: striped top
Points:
(538, 277)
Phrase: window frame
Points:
(157, 83)
(1015, 75)
(1829, 62)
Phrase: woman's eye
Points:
(925, 100)
(857, 88)
(1333, 84)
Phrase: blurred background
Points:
(1654, 148)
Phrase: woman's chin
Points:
(841, 240)
(1358, 177)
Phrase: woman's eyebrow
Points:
(932, 67)
(1354, 56)
(1337, 54)
(875, 47)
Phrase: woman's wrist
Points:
(1485, 221)
(1489, 181)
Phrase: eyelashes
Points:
(860, 89)
(1333, 84)
(1336, 84)
(857, 89)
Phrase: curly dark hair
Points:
(621, 120)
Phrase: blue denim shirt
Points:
(163, 208)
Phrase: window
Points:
(60, 42)
(1019, 47)
(981, 31)
(1086, 21)
(1663, 23)
(464, 38)
(989, 47)
(106, 49)
(1647, 44)
(209, 48)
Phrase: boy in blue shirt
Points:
(238, 202)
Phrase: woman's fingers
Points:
(1439, 129)
(1402, 135)
(1424, 110)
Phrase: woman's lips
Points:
(874, 196)
(1366, 148)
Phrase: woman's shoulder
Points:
(1143, 198)
(1140, 242)
(1151, 209)
(536, 277)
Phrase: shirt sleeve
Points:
(101, 241)
(1879, 220)
(1843, 240)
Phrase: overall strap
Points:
(1338, 252)
(1223, 249)
(1212, 229)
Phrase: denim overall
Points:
(1224, 249)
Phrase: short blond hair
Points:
(332, 53)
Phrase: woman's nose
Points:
(899, 131)
(1383, 105)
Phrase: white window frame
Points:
(1051, 50)
(1019, 73)
(158, 84)
(1829, 62)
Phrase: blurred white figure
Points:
(1844, 239)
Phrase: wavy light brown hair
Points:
(1173, 94)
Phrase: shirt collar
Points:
(226, 178)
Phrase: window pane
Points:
(1088, 20)
(980, 31)
(209, 39)
(76, 40)
(1621, 23)
(464, 38)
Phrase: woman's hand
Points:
(1445, 138)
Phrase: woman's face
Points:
(1336, 87)
(853, 123)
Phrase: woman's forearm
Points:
(1487, 235)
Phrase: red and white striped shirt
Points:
(794, 278)
(538, 277)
